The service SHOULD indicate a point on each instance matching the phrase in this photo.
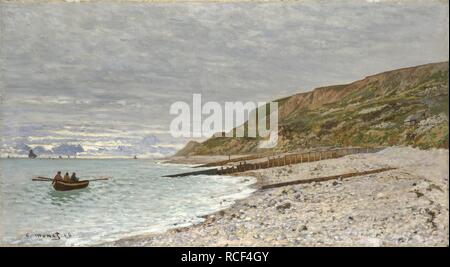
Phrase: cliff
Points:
(407, 106)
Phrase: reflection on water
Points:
(136, 199)
(58, 197)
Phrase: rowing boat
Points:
(66, 186)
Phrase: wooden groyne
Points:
(296, 158)
(204, 172)
(325, 178)
(231, 160)
(278, 161)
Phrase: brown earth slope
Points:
(371, 111)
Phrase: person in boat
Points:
(58, 176)
(74, 178)
(66, 177)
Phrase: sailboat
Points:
(31, 155)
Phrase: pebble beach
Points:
(407, 206)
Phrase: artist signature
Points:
(49, 236)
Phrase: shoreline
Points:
(403, 207)
(206, 218)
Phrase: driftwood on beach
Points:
(326, 178)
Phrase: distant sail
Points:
(31, 155)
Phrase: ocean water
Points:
(136, 200)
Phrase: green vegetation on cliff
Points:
(401, 107)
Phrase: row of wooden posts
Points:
(231, 160)
(288, 159)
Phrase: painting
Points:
(224, 123)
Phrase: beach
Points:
(406, 206)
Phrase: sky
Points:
(102, 76)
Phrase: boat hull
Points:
(65, 186)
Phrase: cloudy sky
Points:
(104, 75)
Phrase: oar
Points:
(45, 179)
(97, 179)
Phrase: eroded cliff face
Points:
(376, 110)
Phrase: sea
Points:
(135, 200)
